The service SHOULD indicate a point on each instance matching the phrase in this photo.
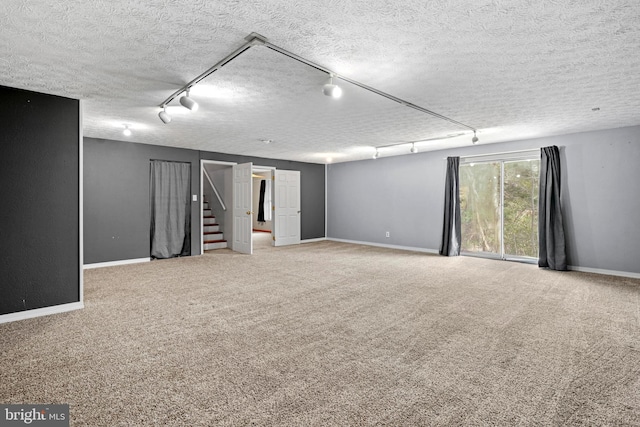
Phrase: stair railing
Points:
(215, 190)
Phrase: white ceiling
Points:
(512, 69)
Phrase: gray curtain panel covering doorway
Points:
(170, 189)
(451, 228)
(551, 238)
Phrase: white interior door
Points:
(242, 215)
(286, 218)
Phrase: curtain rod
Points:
(496, 154)
(168, 161)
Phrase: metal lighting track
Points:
(233, 55)
(255, 39)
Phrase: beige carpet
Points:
(334, 334)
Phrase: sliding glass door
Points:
(499, 208)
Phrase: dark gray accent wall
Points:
(312, 184)
(405, 194)
(40, 193)
(116, 196)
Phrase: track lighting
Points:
(377, 154)
(414, 149)
(188, 102)
(126, 131)
(329, 89)
(164, 116)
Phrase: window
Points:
(499, 205)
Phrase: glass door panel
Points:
(480, 208)
(520, 208)
(499, 208)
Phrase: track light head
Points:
(414, 149)
(188, 102)
(377, 154)
(332, 90)
(329, 89)
(475, 138)
(126, 131)
(164, 116)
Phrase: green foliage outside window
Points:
(480, 207)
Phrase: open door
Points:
(242, 204)
(286, 218)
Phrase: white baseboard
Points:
(434, 251)
(383, 245)
(603, 271)
(114, 263)
(45, 311)
(319, 239)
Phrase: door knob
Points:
(248, 212)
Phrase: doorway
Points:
(262, 207)
(233, 192)
(499, 206)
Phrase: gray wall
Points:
(40, 193)
(404, 195)
(116, 196)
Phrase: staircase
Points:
(212, 236)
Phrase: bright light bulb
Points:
(329, 89)
(332, 90)
(126, 131)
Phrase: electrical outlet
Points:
(387, 234)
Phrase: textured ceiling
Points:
(512, 69)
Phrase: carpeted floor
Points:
(334, 334)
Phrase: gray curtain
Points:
(551, 237)
(450, 245)
(170, 184)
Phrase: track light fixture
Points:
(329, 89)
(164, 116)
(126, 131)
(188, 102)
(377, 154)
(414, 149)
(475, 138)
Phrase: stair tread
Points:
(208, 216)
(212, 232)
(214, 241)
